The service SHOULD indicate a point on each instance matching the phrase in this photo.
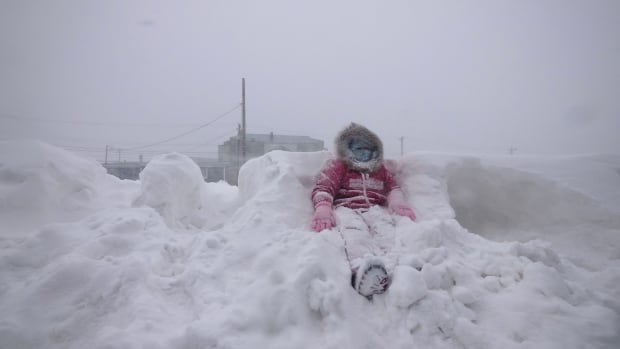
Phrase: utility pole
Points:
(243, 133)
(238, 145)
(402, 141)
(106, 154)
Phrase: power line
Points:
(185, 133)
(212, 142)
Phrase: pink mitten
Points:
(323, 217)
(397, 204)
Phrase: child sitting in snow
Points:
(357, 183)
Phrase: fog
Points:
(542, 77)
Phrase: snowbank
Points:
(507, 204)
(41, 184)
(127, 278)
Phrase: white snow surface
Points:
(512, 252)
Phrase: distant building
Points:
(212, 169)
(226, 166)
(125, 169)
(260, 144)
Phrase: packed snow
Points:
(507, 252)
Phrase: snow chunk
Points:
(173, 185)
(408, 286)
(279, 180)
(259, 174)
(464, 295)
(324, 297)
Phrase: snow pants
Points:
(366, 233)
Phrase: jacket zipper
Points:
(364, 178)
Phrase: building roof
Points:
(287, 139)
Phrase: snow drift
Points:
(467, 274)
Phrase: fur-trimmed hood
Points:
(343, 148)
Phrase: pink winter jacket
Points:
(339, 185)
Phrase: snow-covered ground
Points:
(507, 252)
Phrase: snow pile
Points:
(172, 184)
(40, 184)
(508, 204)
(124, 277)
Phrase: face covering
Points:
(362, 150)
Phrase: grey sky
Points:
(458, 76)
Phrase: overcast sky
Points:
(457, 76)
